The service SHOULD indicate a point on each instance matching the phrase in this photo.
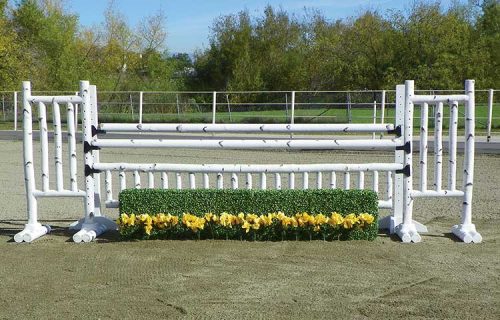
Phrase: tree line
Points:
(276, 50)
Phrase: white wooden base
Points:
(408, 233)
(31, 232)
(467, 233)
(92, 228)
(390, 223)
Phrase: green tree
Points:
(434, 47)
(281, 47)
(48, 37)
(231, 36)
(13, 67)
(366, 52)
(488, 27)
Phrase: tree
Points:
(152, 33)
(488, 27)
(434, 47)
(281, 47)
(48, 37)
(13, 67)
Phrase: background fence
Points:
(366, 106)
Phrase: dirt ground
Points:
(54, 278)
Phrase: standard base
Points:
(92, 228)
(31, 232)
(390, 223)
(467, 233)
(408, 233)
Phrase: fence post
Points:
(229, 108)
(15, 110)
(286, 106)
(382, 110)
(3, 106)
(76, 114)
(349, 114)
(490, 114)
(374, 116)
(177, 105)
(292, 120)
(131, 105)
(466, 230)
(214, 105)
(407, 230)
(140, 107)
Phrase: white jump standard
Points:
(398, 194)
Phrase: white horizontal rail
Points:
(245, 127)
(112, 204)
(433, 193)
(328, 144)
(247, 168)
(55, 193)
(439, 98)
(385, 204)
(57, 99)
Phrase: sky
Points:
(188, 22)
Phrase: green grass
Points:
(318, 115)
(322, 115)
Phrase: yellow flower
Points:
(266, 220)
(210, 217)
(321, 219)
(159, 220)
(366, 219)
(131, 219)
(280, 216)
(145, 219)
(246, 225)
(193, 222)
(226, 220)
(285, 221)
(310, 219)
(251, 217)
(123, 219)
(336, 219)
(300, 219)
(350, 220)
(148, 228)
(171, 220)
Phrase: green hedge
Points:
(201, 201)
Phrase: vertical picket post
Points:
(490, 114)
(140, 106)
(424, 120)
(407, 230)
(15, 110)
(466, 230)
(214, 105)
(382, 111)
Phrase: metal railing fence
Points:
(360, 106)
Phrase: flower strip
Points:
(271, 226)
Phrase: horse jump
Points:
(399, 192)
